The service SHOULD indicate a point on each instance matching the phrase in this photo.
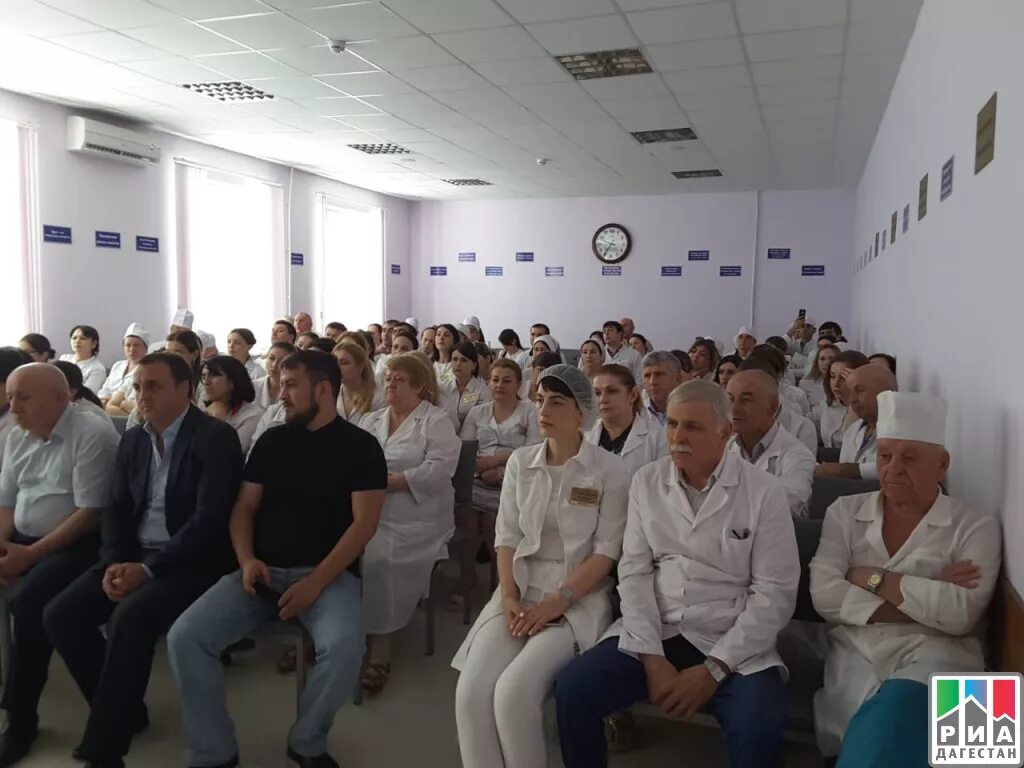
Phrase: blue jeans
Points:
(890, 728)
(750, 708)
(226, 614)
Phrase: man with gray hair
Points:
(58, 464)
(708, 577)
(662, 372)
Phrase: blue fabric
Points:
(890, 728)
(750, 708)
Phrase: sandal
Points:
(374, 677)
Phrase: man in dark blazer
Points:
(165, 542)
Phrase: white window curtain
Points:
(20, 309)
(231, 254)
(351, 269)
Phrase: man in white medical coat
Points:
(708, 577)
(905, 574)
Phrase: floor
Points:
(410, 723)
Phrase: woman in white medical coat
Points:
(136, 342)
(445, 338)
(813, 384)
(466, 389)
(359, 394)
(592, 354)
(85, 346)
(512, 348)
(835, 416)
(422, 451)
(625, 427)
(559, 533)
(268, 389)
(240, 344)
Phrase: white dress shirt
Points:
(45, 481)
(860, 448)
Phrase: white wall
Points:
(945, 299)
(110, 288)
(670, 311)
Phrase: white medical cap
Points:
(472, 320)
(413, 321)
(137, 330)
(549, 341)
(911, 416)
(580, 387)
(183, 318)
(745, 331)
(600, 345)
(208, 339)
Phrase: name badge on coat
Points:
(470, 397)
(585, 497)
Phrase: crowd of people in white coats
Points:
(200, 494)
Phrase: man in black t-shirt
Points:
(298, 543)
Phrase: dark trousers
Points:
(113, 673)
(29, 665)
(750, 708)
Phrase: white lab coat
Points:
(116, 380)
(799, 427)
(262, 387)
(814, 389)
(357, 418)
(693, 572)
(521, 358)
(93, 371)
(245, 420)
(645, 443)
(443, 371)
(254, 369)
(458, 405)
(517, 430)
(586, 530)
(415, 525)
(942, 638)
(855, 451)
(830, 424)
(628, 357)
(788, 459)
(796, 396)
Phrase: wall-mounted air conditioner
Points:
(92, 137)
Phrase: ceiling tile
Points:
(37, 19)
(772, 46)
(338, 106)
(809, 110)
(626, 86)
(110, 46)
(450, 15)
(246, 65)
(807, 70)
(523, 71)
(788, 93)
(271, 30)
(368, 83)
(732, 98)
(404, 53)
(376, 122)
(694, 22)
(332, 129)
(184, 39)
(362, 21)
(707, 79)
(653, 105)
(320, 60)
(526, 11)
(779, 15)
(497, 44)
(651, 121)
(890, 10)
(119, 76)
(600, 33)
(696, 54)
(646, 5)
(401, 136)
(885, 36)
(173, 71)
(200, 10)
(295, 87)
(457, 77)
(114, 14)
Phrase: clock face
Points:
(612, 243)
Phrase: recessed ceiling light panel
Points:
(706, 174)
(468, 182)
(588, 66)
(229, 91)
(381, 149)
(669, 134)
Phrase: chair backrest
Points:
(825, 490)
(464, 473)
(828, 455)
(808, 532)
(572, 356)
(120, 423)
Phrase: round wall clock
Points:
(611, 243)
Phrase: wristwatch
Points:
(565, 591)
(717, 673)
(875, 581)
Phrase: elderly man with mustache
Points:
(708, 577)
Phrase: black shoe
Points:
(317, 761)
(232, 763)
(15, 743)
(78, 753)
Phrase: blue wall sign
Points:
(467, 257)
(608, 271)
(947, 179)
(778, 253)
(554, 271)
(730, 271)
(812, 270)
(439, 271)
(671, 271)
(493, 271)
(699, 255)
(52, 234)
(108, 239)
(298, 259)
(524, 255)
(150, 244)
(396, 269)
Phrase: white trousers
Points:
(499, 700)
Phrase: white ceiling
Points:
(783, 94)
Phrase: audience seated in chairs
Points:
(298, 546)
(662, 372)
(57, 468)
(624, 427)
(228, 396)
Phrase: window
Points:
(19, 305)
(351, 289)
(230, 252)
